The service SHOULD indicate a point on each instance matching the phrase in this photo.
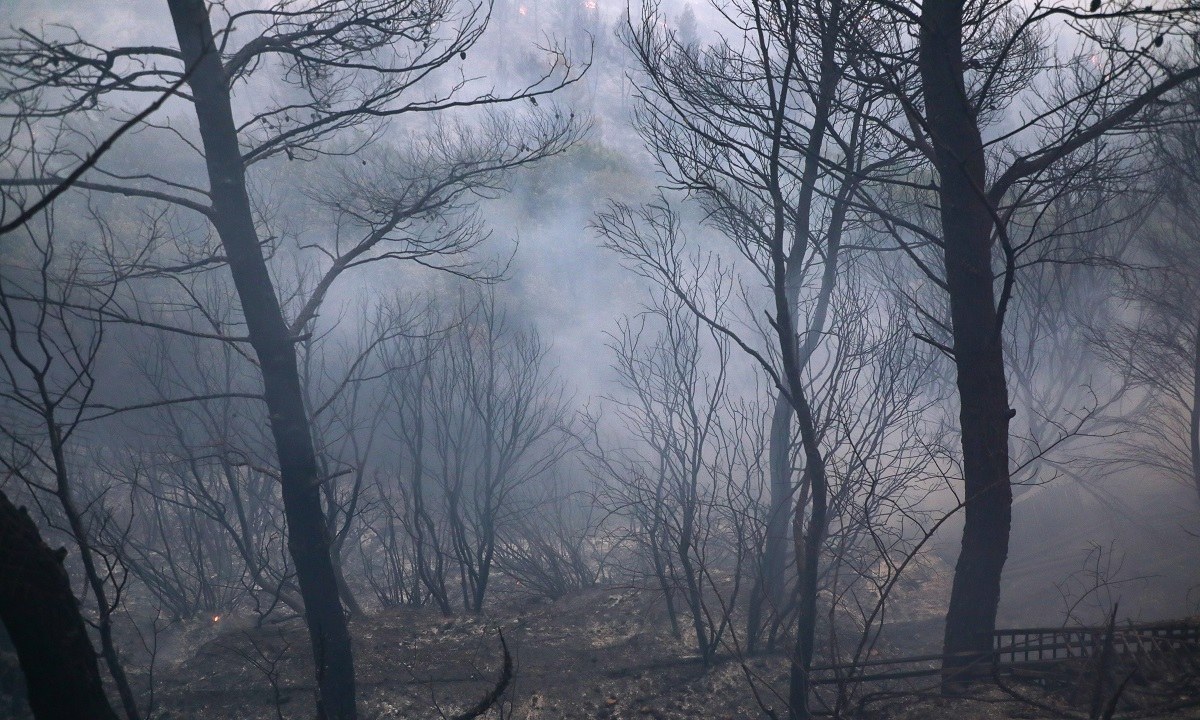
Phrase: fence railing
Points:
(1024, 647)
(1033, 645)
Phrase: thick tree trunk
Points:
(967, 225)
(42, 617)
(1194, 426)
(308, 539)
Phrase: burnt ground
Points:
(600, 653)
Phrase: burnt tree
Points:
(42, 616)
(308, 538)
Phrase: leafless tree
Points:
(47, 627)
(880, 411)
(674, 371)
(39, 606)
(652, 240)
(341, 385)
(417, 556)
(1151, 337)
(49, 363)
(478, 425)
(345, 65)
(554, 551)
(994, 183)
(499, 424)
(388, 555)
(745, 126)
(199, 496)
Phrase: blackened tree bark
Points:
(42, 616)
(1194, 415)
(976, 213)
(808, 544)
(308, 539)
(967, 233)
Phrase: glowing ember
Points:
(216, 618)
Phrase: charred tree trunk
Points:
(1194, 426)
(794, 357)
(42, 617)
(308, 537)
(809, 544)
(767, 595)
(780, 439)
(967, 229)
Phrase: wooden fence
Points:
(1026, 647)
(1033, 645)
